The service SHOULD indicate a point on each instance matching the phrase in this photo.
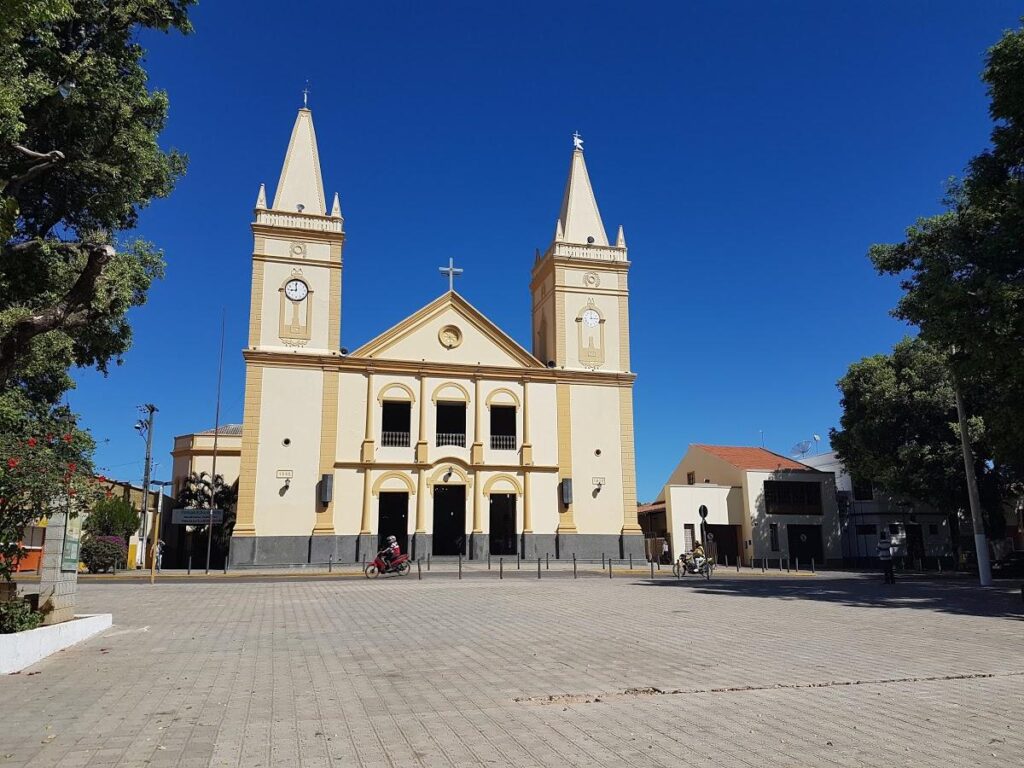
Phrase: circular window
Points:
(286, 442)
(450, 336)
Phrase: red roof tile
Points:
(743, 457)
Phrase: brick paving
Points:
(751, 671)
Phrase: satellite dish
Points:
(801, 449)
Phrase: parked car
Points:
(1009, 566)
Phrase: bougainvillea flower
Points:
(12, 463)
(31, 442)
(67, 438)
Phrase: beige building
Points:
(193, 454)
(442, 431)
(759, 505)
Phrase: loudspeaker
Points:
(326, 489)
(567, 491)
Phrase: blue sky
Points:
(753, 151)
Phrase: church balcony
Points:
(503, 442)
(592, 252)
(394, 439)
(308, 221)
(451, 438)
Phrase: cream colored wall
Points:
(682, 502)
(703, 465)
(753, 488)
(351, 415)
(290, 408)
(544, 319)
(595, 426)
(544, 501)
(422, 342)
(317, 277)
(348, 501)
(543, 424)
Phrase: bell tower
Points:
(579, 286)
(297, 264)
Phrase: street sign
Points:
(196, 516)
(703, 511)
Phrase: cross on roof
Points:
(305, 95)
(577, 140)
(452, 271)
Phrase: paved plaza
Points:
(808, 670)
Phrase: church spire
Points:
(301, 187)
(579, 219)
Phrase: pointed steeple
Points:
(261, 198)
(336, 207)
(300, 183)
(580, 220)
(620, 241)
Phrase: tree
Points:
(963, 270)
(42, 472)
(899, 428)
(78, 160)
(195, 494)
(112, 517)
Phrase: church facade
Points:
(443, 430)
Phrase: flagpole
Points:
(216, 433)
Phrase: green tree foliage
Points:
(79, 159)
(963, 270)
(195, 494)
(112, 517)
(899, 428)
(42, 473)
(17, 616)
(101, 553)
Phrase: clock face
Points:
(591, 318)
(296, 290)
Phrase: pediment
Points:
(449, 330)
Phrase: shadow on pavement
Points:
(948, 596)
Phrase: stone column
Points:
(367, 454)
(527, 453)
(421, 440)
(57, 587)
(421, 540)
(476, 454)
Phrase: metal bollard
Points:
(547, 561)
(727, 560)
(602, 561)
(764, 567)
(488, 561)
(940, 564)
(538, 567)
(652, 570)
(787, 565)
(609, 567)
(797, 569)
(780, 565)
(812, 566)
(737, 565)
(330, 564)
(460, 565)
(501, 567)
(419, 570)
(428, 561)
(574, 565)
(190, 565)
(631, 561)
(519, 561)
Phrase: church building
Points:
(443, 430)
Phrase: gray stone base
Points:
(319, 550)
(422, 544)
(536, 545)
(292, 550)
(633, 544)
(479, 546)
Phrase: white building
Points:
(866, 512)
(760, 505)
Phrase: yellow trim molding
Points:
(409, 486)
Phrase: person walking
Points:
(885, 557)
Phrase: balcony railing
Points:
(503, 442)
(451, 438)
(394, 439)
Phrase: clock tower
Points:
(581, 330)
(579, 286)
(294, 312)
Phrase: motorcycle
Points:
(701, 566)
(400, 565)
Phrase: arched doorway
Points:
(450, 520)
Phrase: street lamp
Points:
(160, 484)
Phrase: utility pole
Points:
(980, 540)
(145, 429)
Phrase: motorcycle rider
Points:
(390, 551)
